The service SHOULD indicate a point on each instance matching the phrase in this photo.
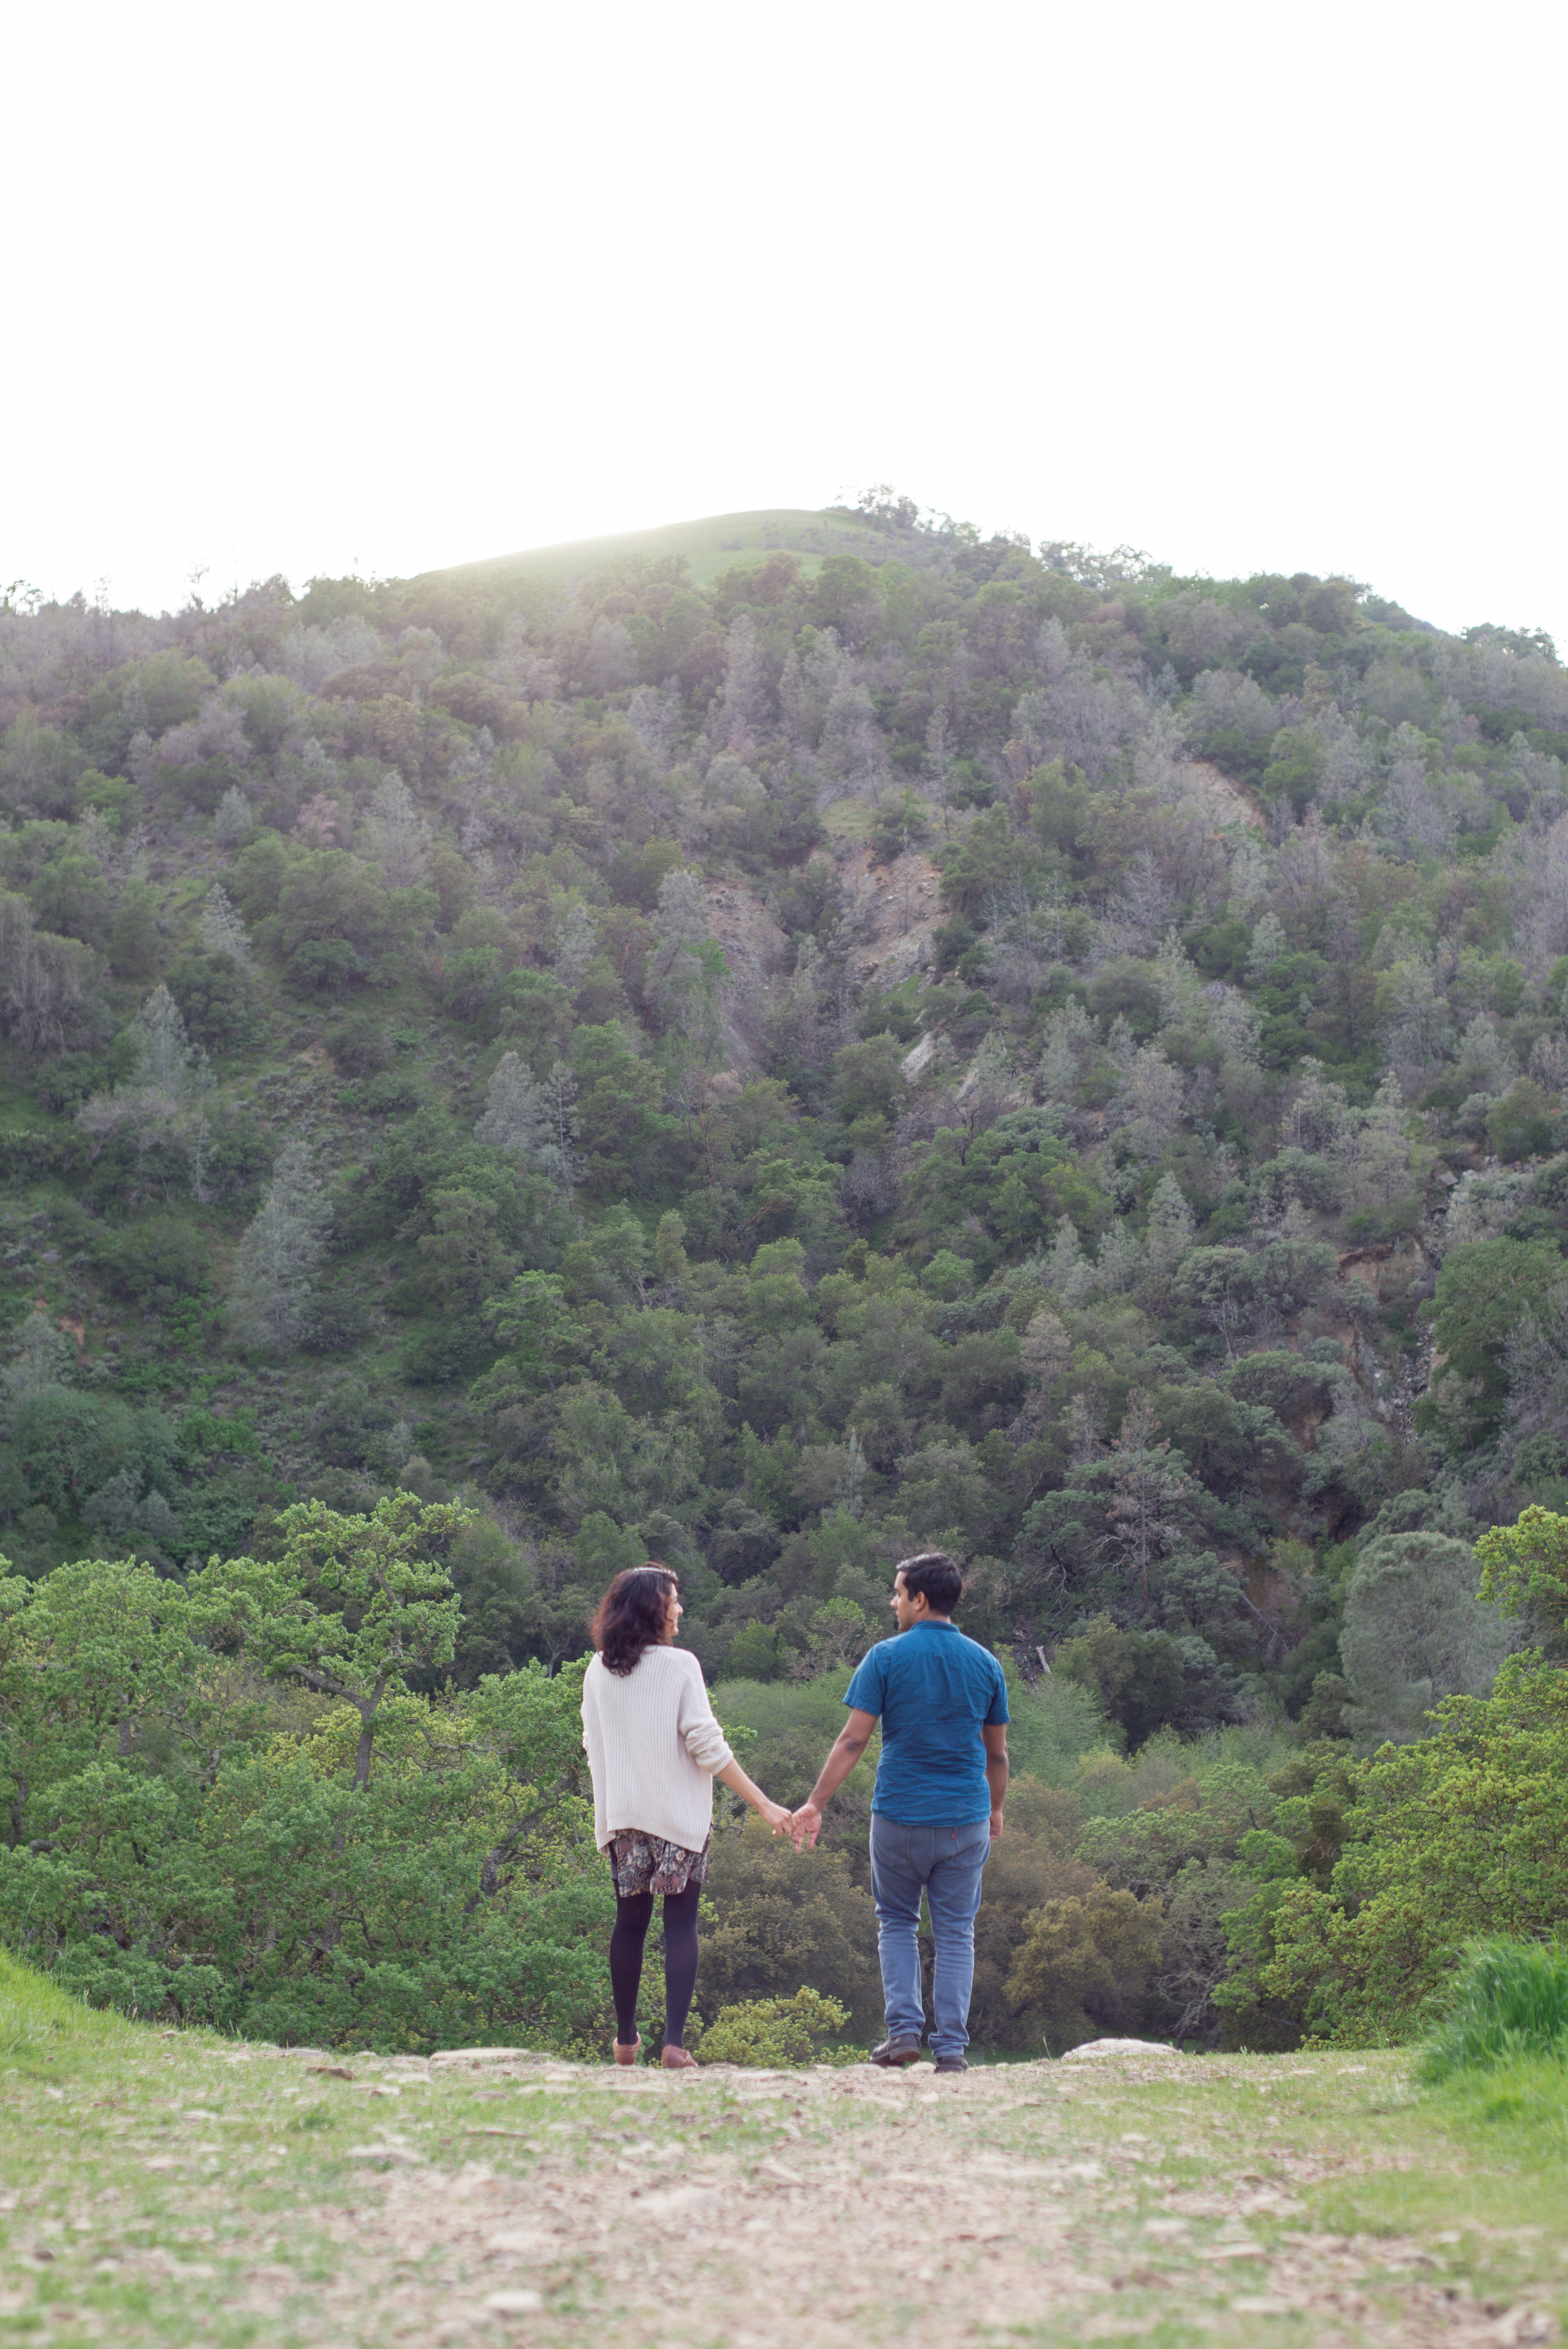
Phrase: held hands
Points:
(799, 1826)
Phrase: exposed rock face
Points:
(896, 908)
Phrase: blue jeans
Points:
(945, 1864)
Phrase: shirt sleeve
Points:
(698, 1727)
(998, 1713)
(866, 1690)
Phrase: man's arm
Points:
(846, 1751)
(995, 1772)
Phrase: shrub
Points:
(156, 1261)
(391, 1093)
(775, 2032)
(361, 1045)
(339, 1324)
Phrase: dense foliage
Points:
(184, 1837)
(912, 1040)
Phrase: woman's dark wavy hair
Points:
(631, 1615)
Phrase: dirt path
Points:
(279, 2201)
(757, 2209)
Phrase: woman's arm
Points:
(733, 1776)
(710, 1749)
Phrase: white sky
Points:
(322, 285)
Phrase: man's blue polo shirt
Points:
(933, 1690)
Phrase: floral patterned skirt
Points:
(645, 1863)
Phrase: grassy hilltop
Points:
(717, 544)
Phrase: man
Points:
(936, 1807)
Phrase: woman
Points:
(654, 1750)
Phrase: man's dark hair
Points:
(933, 1577)
(631, 1617)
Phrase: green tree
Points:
(158, 1261)
(1148, 1489)
(1295, 769)
(868, 1078)
(71, 897)
(686, 968)
(539, 1120)
(464, 1256)
(216, 998)
(182, 1837)
(44, 1357)
(541, 1335)
(70, 1444)
(163, 1099)
(623, 1131)
(1416, 1631)
(1462, 1833)
(135, 947)
(900, 824)
(277, 1259)
(396, 1611)
(1525, 1567)
(1483, 1290)
(1215, 1283)
(1136, 1675)
(1084, 1962)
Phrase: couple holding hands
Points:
(654, 1749)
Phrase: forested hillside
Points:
(946, 1043)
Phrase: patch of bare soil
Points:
(895, 909)
(1227, 801)
(892, 912)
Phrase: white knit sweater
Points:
(654, 1748)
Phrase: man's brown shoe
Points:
(897, 2054)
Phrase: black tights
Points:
(633, 1918)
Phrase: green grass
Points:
(1510, 2007)
(715, 543)
(850, 818)
(42, 2028)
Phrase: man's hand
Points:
(996, 1825)
(846, 1751)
